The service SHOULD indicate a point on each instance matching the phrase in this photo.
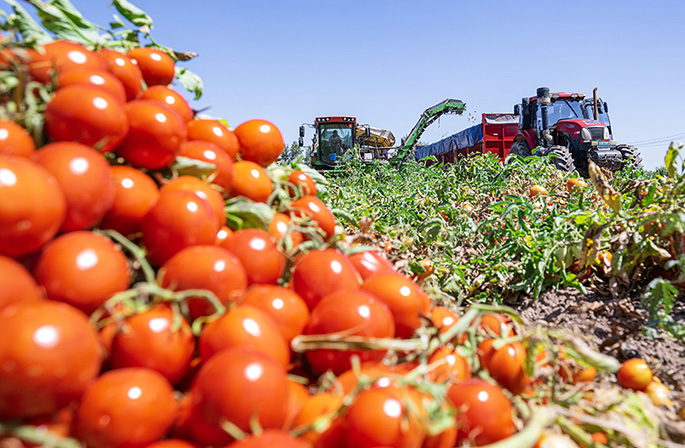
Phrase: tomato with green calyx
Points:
(15, 140)
(260, 141)
(84, 177)
(50, 353)
(321, 272)
(134, 195)
(156, 66)
(83, 269)
(87, 115)
(125, 408)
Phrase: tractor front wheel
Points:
(630, 156)
(561, 158)
(520, 148)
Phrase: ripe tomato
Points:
(15, 140)
(157, 67)
(356, 313)
(32, 206)
(315, 407)
(575, 184)
(303, 182)
(99, 79)
(126, 71)
(321, 272)
(505, 364)
(260, 141)
(17, 284)
(214, 131)
(202, 190)
(155, 135)
(178, 220)
(297, 396)
(251, 181)
(285, 306)
(87, 115)
(382, 417)
(83, 269)
(221, 236)
(62, 56)
(209, 152)
(634, 374)
(279, 229)
(484, 412)
(348, 380)
(444, 319)
(369, 263)
(406, 300)
(263, 262)
(156, 339)
(313, 207)
(172, 443)
(49, 352)
(169, 97)
(496, 325)
(125, 408)
(205, 267)
(537, 190)
(238, 385)
(85, 178)
(271, 438)
(244, 326)
(134, 195)
(455, 367)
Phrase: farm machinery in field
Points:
(572, 129)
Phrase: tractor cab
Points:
(333, 141)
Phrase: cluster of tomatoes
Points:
(190, 341)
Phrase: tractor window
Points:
(336, 139)
(562, 109)
(601, 116)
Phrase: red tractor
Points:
(571, 130)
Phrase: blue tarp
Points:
(463, 139)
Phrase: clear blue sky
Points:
(386, 61)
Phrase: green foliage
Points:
(292, 153)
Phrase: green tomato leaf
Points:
(132, 13)
(63, 19)
(190, 81)
(193, 167)
(29, 28)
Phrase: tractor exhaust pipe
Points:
(594, 103)
(544, 100)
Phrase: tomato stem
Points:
(37, 436)
(137, 252)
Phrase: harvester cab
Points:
(572, 130)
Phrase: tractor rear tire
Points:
(631, 156)
(520, 148)
(561, 158)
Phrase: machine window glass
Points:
(336, 139)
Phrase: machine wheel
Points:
(520, 148)
(561, 158)
(631, 156)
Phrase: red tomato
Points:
(446, 439)
(303, 182)
(496, 324)
(157, 67)
(505, 364)
(125, 408)
(271, 438)
(443, 318)
(313, 207)
(32, 206)
(381, 417)
(205, 267)
(156, 339)
(134, 195)
(297, 397)
(371, 370)
(178, 220)
(634, 374)
(280, 228)
(86, 115)
(237, 385)
(244, 326)
(406, 300)
(17, 284)
(85, 177)
(83, 269)
(202, 190)
(260, 141)
(222, 235)
(454, 367)
(155, 135)
(371, 262)
(126, 71)
(214, 131)
(172, 443)
(99, 79)
(484, 412)
(15, 140)
(321, 272)
(285, 306)
(251, 181)
(62, 56)
(263, 262)
(315, 407)
(356, 313)
(209, 152)
(49, 352)
(169, 97)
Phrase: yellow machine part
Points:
(380, 138)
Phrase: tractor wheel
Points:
(520, 148)
(631, 156)
(561, 158)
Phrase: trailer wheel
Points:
(630, 155)
(520, 148)
(561, 158)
